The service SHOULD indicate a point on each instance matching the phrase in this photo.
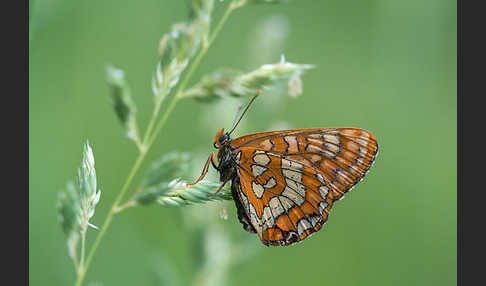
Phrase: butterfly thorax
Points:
(227, 163)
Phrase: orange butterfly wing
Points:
(288, 180)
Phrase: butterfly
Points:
(284, 183)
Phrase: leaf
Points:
(123, 104)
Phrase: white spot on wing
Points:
(270, 183)
(363, 151)
(292, 142)
(256, 222)
(288, 164)
(327, 153)
(291, 194)
(267, 145)
(243, 197)
(257, 170)
(268, 218)
(333, 131)
(276, 206)
(365, 135)
(361, 142)
(287, 203)
(332, 147)
(343, 177)
(261, 158)
(303, 225)
(322, 207)
(292, 170)
(323, 190)
(257, 189)
(299, 188)
(291, 174)
(331, 138)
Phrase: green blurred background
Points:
(388, 66)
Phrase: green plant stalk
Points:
(114, 208)
(232, 6)
(155, 113)
(179, 94)
(205, 46)
(83, 251)
(75, 262)
(109, 217)
(139, 144)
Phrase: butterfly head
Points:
(221, 139)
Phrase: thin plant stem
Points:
(147, 144)
(178, 95)
(129, 204)
(221, 23)
(195, 64)
(161, 122)
(139, 144)
(109, 217)
(152, 121)
(83, 250)
(75, 262)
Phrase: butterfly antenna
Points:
(244, 111)
(236, 116)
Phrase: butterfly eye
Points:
(223, 138)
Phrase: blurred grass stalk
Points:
(215, 251)
(202, 12)
(187, 42)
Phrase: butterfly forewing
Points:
(288, 180)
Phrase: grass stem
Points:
(147, 143)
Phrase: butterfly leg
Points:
(205, 170)
(222, 185)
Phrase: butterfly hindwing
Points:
(288, 180)
(286, 202)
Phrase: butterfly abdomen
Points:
(242, 216)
